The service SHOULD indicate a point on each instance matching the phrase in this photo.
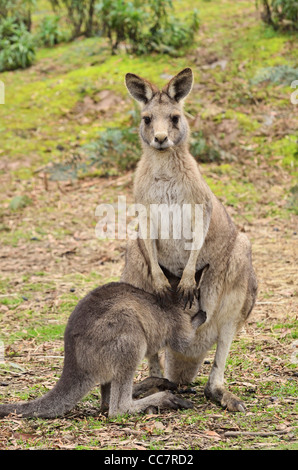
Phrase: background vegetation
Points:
(69, 141)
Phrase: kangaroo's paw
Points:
(226, 399)
(162, 288)
(187, 290)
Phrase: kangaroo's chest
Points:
(166, 190)
(171, 205)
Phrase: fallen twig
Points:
(255, 433)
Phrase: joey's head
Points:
(163, 124)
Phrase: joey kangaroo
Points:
(168, 174)
(107, 335)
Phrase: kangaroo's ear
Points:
(180, 85)
(139, 88)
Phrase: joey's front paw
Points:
(187, 290)
(198, 319)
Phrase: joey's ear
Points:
(180, 85)
(139, 88)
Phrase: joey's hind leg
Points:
(121, 395)
(121, 401)
(160, 401)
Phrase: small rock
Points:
(273, 399)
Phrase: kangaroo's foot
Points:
(152, 385)
(225, 398)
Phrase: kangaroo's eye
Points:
(175, 119)
(147, 120)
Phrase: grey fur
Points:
(168, 174)
(107, 335)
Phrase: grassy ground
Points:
(50, 256)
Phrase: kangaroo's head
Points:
(163, 124)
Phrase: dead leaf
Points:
(24, 436)
(212, 434)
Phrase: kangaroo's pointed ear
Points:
(180, 85)
(139, 88)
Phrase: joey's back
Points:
(119, 310)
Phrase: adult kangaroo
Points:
(168, 175)
(107, 335)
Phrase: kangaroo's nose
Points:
(160, 138)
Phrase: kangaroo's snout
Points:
(160, 137)
(161, 141)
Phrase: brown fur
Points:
(168, 174)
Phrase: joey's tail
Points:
(70, 388)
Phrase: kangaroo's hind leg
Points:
(215, 389)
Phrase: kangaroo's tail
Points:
(70, 388)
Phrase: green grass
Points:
(41, 333)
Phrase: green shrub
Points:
(17, 47)
(169, 36)
(19, 9)
(284, 74)
(80, 14)
(281, 14)
(145, 28)
(119, 21)
(206, 149)
(115, 150)
(50, 33)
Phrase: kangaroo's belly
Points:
(172, 255)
